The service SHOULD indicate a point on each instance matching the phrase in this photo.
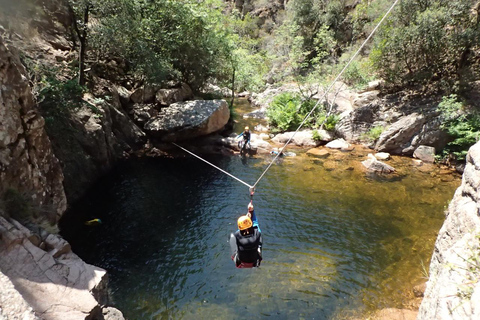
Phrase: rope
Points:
(228, 174)
(327, 91)
(252, 188)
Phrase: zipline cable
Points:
(193, 154)
(327, 91)
(252, 188)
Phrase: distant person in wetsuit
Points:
(246, 243)
(246, 137)
(278, 151)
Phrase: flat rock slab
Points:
(318, 153)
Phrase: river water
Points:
(338, 243)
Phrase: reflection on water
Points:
(337, 243)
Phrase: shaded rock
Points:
(319, 153)
(144, 94)
(373, 165)
(124, 129)
(168, 96)
(419, 290)
(143, 112)
(382, 155)
(302, 138)
(27, 161)
(425, 153)
(187, 120)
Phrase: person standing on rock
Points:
(246, 139)
(246, 243)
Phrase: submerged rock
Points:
(319, 153)
(425, 153)
(373, 165)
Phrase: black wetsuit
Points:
(246, 136)
(247, 246)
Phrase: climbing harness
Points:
(252, 187)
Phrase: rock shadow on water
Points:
(378, 177)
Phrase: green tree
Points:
(428, 41)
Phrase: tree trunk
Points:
(233, 87)
(83, 47)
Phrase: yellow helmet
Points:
(244, 222)
(247, 128)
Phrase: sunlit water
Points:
(338, 243)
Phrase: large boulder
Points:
(190, 119)
(397, 138)
(453, 289)
(54, 281)
(425, 153)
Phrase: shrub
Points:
(316, 136)
(287, 111)
(374, 133)
(283, 112)
(463, 127)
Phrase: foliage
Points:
(283, 112)
(57, 97)
(462, 126)
(425, 41)
(316, 136)
(374, 133)
(331, 122)
(164, 40)
(287, 111)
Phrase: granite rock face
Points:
(190, 119)
(453, 289)
(53, 281)
(27, 163)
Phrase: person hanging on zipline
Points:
(246, 243)
(246, 139)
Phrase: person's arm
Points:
(254, 218)
(241, 134)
